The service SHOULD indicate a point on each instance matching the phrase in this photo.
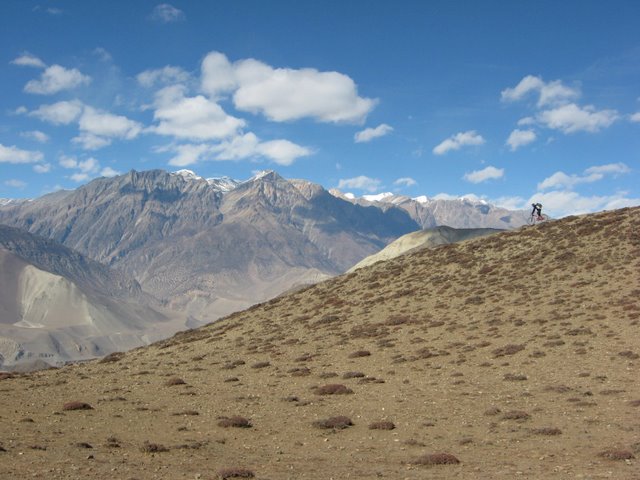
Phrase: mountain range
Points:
(211, 247)
(56, 305)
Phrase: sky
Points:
(509, 102)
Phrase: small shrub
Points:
(153, 448)
(235, 472)
(616, 454)
(512, 377)
(436, 459)
(336, 423)
(261, 365)
(508, 350)
(112, 357)
(174, 381)
(383, 425)
(360, 353)
(333, 389)
(235, 421)
(76, 406)
(547, 431)
(516, 415)
(353, 375)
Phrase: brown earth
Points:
(510, 356)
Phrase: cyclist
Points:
(537, 210)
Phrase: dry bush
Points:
(6, 375)
(300, 372)
(261, 365)
(76, 406)
(83, 445)
(336, 423)
(436, 459)
(174, 381)
(305, 357)
(186, 413)
(148, 447)
(235, 472)
(333, 389)
(634, 403)
(328, 375)
(508, 350)
(112, 357)
(547, 431)
(512, 377)
(629, 354)
(516, 415)
(492, 411)
(616, 454)
(235, 421)
(382, 425)
(348, 375)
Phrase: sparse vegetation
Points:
(336, 423)
(333, 389)
(436, 459)
(76, 406)
(235, 422)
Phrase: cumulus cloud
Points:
(284, 94)
(166, 75)
(42, 168)
(85, 169)
(55, 79)
(218, 75)
(361, 183)
(635, 117)
(166, 13)
(549, 93)
(106, 124)
(571, 118)
(60, 113)
(28, 60)
(369, 134)
(479, 176)
(519, 138)
(405, 182)
(240, 147)
(35, 135)
(459, 140)
(15, 155)
(590, 175)
(193, 118)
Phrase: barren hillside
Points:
(511, 356)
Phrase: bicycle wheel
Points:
(532, 220)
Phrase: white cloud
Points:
(571, 118)
(42, 168)
(15, 155)
(55, 79)
(284, 94)
(405, 182)
(510, 203)
(526, 121)
(13, 183)
(89, 141)
(166, 13)
(459, 140)
(108, 172)
(35, 135)
(194, 118)
(489, 173)
(635, 117)
(79, 177)
(165, 75)
(550, 93)
(590, 175)
(240, 147)
(218, 75)
(60, 113)
(369, 134)
(28, 60)
(519, 138)
(361, 183)
(106, 124)
(103, 54)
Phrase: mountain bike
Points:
(534, 219)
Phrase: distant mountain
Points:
(210, 247)
(429, 238)
(57, 305)
(456, 213)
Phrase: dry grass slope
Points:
(512, 356)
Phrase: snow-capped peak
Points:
(380, 197)
(187, 174)
(422, 199)
(224, 184)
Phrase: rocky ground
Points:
(511, 356)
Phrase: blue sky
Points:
(511, 102)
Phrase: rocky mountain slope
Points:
(428, 238)
(56, 305)
(210, 247)
(509, 356)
